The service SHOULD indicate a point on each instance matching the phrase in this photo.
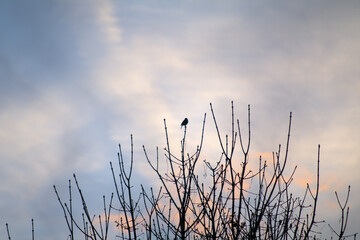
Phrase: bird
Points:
(184, 123)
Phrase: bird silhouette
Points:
(184, 123)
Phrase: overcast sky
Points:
(78, 77)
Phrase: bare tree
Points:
(88, 227)
(236, 202)
(179, 188)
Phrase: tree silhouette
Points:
(236, 202)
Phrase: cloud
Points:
(78, 77)
(52, 125)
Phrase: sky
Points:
(79, 77)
